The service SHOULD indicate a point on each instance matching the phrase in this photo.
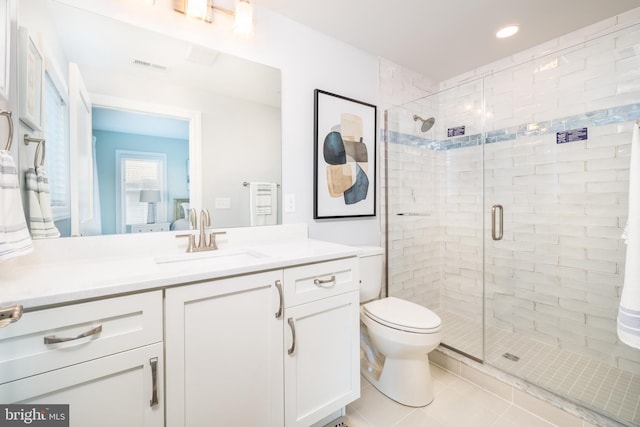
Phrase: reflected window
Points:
(56, 133)
(139, 171)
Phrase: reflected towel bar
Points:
(247, 183)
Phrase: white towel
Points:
(629, 312)
(40, 214)
(36, 222)
(263, 203)
(14, 235)
(44, 196)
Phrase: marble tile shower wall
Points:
(556, 275)
(413, 226)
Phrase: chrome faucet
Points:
(205, 221)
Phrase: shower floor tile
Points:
(585, 380)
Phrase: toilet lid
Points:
(403, 315)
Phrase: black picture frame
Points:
(344, 161)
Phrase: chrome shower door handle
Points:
(497, 235)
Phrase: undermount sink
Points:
(224, 256)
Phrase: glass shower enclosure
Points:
(505, 217)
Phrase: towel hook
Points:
(40, 149)
(8, 114)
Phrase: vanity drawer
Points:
(85, 331)
(321, 280)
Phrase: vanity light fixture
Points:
(507, 31)
(244, 18)
(203, 9)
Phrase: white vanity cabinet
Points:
(102, 358)
(224, 345)
(322, 341)
(231, 356)
(271, 344)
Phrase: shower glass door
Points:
(435, 210)
(558, 134)
(505, 218)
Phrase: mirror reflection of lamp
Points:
(152, 197)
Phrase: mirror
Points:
(173, 125)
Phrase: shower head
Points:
(426, 124)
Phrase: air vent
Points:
(201, 55)
(142, 63)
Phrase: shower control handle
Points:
(494, 209)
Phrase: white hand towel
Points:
(263, 203)
(44, 197)
(36, 222)
(629, 311)
(14, 235)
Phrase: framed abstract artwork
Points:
(344, 177)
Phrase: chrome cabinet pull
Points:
(154, 381)
(52, 339)
(494, 209)
(279, 288)
(10, 315)
(328, 283)
(292, 325)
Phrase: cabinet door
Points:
(115, 390)
(224, 353)
(322, 372)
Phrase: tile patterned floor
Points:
(604, 388)
(457, 403)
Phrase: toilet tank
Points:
(371, 266)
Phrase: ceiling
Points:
(133, 51)
(441, 39)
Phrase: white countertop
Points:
(80, 277)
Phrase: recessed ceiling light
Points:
(507, 31)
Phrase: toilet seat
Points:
(403, 315)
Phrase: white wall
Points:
(308, 60)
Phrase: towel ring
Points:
(40, 149)
(8, 114)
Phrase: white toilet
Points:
(396, 337)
